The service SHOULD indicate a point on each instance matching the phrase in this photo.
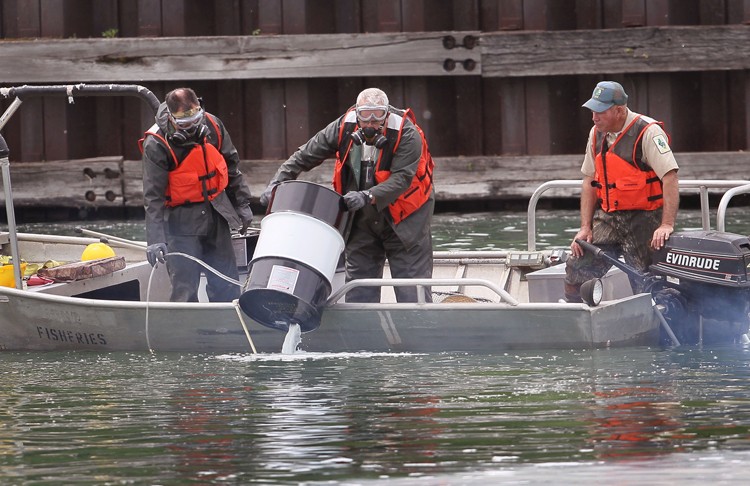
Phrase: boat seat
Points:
(495, 271)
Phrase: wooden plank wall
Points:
(460, 182)
(485, 182)
(481, 116)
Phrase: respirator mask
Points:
(370, 135)
(188, 126)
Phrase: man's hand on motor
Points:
(661, 235)
(155, 253)
(356, 200)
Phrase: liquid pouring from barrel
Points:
(292, 269)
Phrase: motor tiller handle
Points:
(598, 252)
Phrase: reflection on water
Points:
(456, 418)
(501, 231)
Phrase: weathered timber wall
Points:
(116, 183)
(635, 50)
(418, 54)
(137, 60)
(509, 83)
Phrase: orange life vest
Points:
(200, 176)
(420, 189)
(622, 180)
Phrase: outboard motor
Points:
(292, 269)
(703, 277)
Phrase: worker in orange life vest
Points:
(384, 172)
(193, 193)
(630, 191)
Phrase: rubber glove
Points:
(266, 196)
(356, 199)
(246, 215)
(155, 253)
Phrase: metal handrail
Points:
(19, 93)
(701, 184)
(722, 210)
(420, 283)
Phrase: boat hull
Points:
(39, 322)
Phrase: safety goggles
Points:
(372, 113)
(188, 119)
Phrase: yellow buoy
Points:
(95, 251)
(7, 277)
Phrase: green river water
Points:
(611, 416)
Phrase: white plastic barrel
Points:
(295, 259)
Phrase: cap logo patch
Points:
(661, 144)
(598, 93)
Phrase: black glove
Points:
(356, 199)
(246, 215)
(155, 253)
(266, 196)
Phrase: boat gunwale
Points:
(7, 292)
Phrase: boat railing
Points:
(19, 94)
(724, 203)
(703, 185)
(421, 283)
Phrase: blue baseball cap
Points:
(606, 95)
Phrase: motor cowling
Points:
(707, 271)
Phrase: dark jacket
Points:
(324, 144)
(233, 204)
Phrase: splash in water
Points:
(292, 340)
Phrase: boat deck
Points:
(529, 276)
